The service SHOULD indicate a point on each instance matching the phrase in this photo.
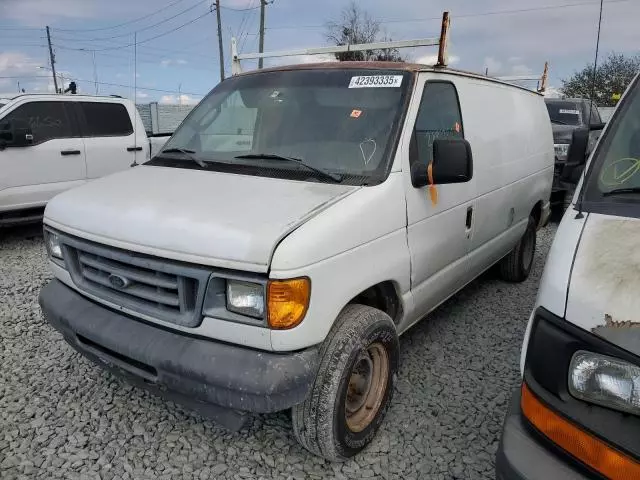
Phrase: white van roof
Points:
(411, 67)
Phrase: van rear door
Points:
(108, 137)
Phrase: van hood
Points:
(209, 218)
(604, 291)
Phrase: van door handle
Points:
(70, 152)
(134, 149)
(469, 217)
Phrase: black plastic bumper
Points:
(521, 456)
(220, 380)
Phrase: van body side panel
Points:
(356, 243)
(512, 146)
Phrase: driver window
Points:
(229, 130)
(48, 120)
(439, 117)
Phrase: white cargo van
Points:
(50, 143)
(577, 412)
(298, 221)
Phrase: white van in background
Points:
(576, 413)
(298, 221)
(50, 143)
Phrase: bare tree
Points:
(357, 26)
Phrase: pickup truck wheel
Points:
(353, 387)
(516, 266)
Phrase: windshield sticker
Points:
(570, 112)
(376, 81)
(356, 113)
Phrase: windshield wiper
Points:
(621, 191)
(187, 153)
(274, 156)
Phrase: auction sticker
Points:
(376, 81)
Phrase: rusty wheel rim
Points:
(367, 387)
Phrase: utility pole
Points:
(263, 4)
(95, 70)
(53, 60)
(221, 50)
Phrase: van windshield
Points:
(564, 113)
(614, 176)
(340, 121)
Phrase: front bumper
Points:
(521, 456)
(219, 380)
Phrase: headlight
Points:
(605, 381)
(53, 245)
(562, 150)
(245, 298)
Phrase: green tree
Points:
(612, 77)
(357, 26)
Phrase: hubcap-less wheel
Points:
(367, 387)
(528, 248)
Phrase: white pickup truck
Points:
(50, 143)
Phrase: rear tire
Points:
(353, 387)
(516, 266)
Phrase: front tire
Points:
(516, 266)
(353, 387)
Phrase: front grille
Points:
(150, 286)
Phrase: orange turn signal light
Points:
(583, 446)
(287, 302)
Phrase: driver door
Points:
(55, 161)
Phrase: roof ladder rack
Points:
(440, 42)
(542, 80)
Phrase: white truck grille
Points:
(150, 286)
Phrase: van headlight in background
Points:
(53, 245)
(245, 298)
(605, 381)
(561, 150)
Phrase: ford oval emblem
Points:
(118, 281)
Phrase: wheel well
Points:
(382, 296)
(536, 213)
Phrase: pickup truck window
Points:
(105, 120)
(48, 120)
(564, 113)
(341, 121)
(439, 117)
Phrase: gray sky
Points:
(185, 61)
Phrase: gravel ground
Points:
(62, 417)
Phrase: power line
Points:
(240, 9)
(118, 47)
(128, 34)
(469, 15)
(129, 22)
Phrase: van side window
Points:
(48, 120)
(106, 120)
(439, 117)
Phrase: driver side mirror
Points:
(452, 163)
(578, 153)
(15, 133)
